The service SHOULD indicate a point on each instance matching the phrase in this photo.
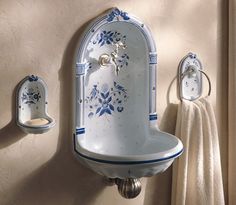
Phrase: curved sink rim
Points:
(130, 162)
(131, 159)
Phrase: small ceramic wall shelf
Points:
(32, 116)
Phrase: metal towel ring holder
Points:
(190, 78)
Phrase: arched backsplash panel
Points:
(98, 39)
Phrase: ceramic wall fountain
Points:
(115, 121)
(32, 116)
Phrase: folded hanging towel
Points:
(197, 176)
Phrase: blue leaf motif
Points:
(90, 115)
(102, 43)
(98, 110)
(103, 96)
(108, 111)
(102, 112)
(109, 99)
(100, 100)
(111, 107)
(107, 94)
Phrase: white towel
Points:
(197, 176)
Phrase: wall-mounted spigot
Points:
(106, 59)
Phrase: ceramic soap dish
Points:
(32, 116)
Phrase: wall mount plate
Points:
(190, 77)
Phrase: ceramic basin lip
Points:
(131, 159)
(51, 123)
(131, 162)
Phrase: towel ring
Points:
(190, 78)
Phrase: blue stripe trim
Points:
(153, 117)
(152, 58)
(127, 162)
(80, 68)
(80, 131)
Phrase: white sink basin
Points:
(154, 155)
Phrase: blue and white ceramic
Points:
(32, 116)
(190, 77)
(115, 121)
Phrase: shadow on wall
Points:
(168, 121)
(62, 180)
(11, 132)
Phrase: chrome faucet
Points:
(106, 59)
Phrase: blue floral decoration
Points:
(109, 37)
(123, 60)
(106, 37)
(106, 100)
(32, 78)
(116, 13)
(105, 104)
(30, 97)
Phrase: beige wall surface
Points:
(38, 37)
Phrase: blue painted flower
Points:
(106, 37)
(37, 96)
(105, 102)
(30, 96)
